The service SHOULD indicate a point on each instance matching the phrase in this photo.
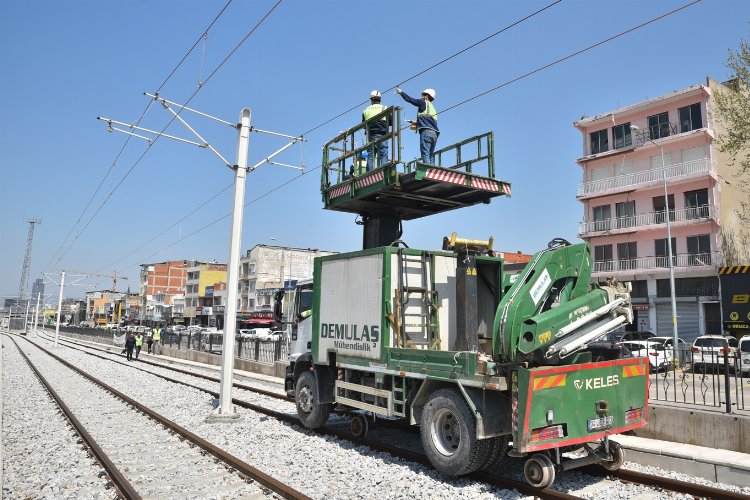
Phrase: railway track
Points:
(161, 465)
(629, 476)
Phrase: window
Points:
(602, 216)
(696, 204)
(660, 209)
(603, 258)
(690, 118)
(656, 162)
(627, 254)
(658, 126)
(699, 250)
(599, 142)
(621, 136)
(625, 214)
(696, 154)
(662, 252)
(640, 289)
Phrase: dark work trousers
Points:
(149, 342)
(137, 351)
(130, 354)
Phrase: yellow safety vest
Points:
(157, 334)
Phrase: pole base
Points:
(217, 417)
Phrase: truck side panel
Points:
(350, 296)
(573, 404)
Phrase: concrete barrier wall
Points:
(278, 369)
(698, 427)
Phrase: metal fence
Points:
(253, 349)
(264, 351)
(708, 379)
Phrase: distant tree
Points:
(733, 107)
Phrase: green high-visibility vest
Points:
(157, 334)
(139, 341)
(360, 167)
(429, 110)
(372, 110)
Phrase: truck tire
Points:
(449, 434)
(311, 413)
(498, 450)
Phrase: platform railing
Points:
(341, 152)
(474, 155)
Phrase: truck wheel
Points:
(498, 451)
(311, 413)
(449, 434)
(618, 457)
(539, 471)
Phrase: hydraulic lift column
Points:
(380, 231)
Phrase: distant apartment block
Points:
(265, 269)
(160, 283)
(202, 278)
(37, 290)
(625, 213)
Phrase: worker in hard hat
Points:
(426, 123)
(359, 166)
(376, 129)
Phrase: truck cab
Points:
(300, 330)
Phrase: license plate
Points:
(596, 424)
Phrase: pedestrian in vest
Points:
(360, 164)
(157, 338)
(138, 344)
(375, 129)
(426, 123)
(129, 345)
(150, 339)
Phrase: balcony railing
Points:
(687, 214)
(645, 177)
(686, 260)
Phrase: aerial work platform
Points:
(463, 175)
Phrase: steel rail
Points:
(674, 485)
(116, 477)
(244, 468)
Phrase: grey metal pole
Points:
(59, 308)
(26, 318)
(226, 408)
(36, 310)
(675, 361)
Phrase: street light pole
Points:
(669, 249)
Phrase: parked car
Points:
(85, 324)
(255, 333)
(654, 351)
(682, 348)
(709, 350)
(179, 328)
(743, 348)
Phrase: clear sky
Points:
(65, 63)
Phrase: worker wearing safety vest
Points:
(426, 123)
(138, 344)
(156, 338)
(375, 129)
(359, 166)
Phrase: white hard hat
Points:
(429, 92)
(374, 93)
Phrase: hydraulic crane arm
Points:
(552, 311)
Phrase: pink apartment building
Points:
(625, 217)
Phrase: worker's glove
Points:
(398, 90)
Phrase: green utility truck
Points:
(436, 339)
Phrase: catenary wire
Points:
(461, 103)
(433, 66)
(127, 140)
(455, 54)
(148, 148)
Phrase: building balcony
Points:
(630, 223)
(694, 262)
(647, 178)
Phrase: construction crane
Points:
(27, 258)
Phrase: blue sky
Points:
(65, 63)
